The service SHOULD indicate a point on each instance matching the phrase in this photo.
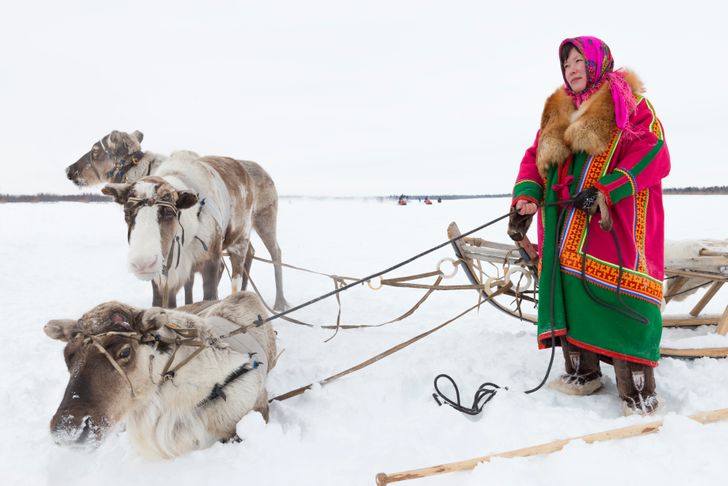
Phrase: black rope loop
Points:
(483, 395)
(487, 391)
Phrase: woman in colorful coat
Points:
(600, 145)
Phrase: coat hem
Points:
(611, 354)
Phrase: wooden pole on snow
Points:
(621, 433)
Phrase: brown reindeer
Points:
(164, 373)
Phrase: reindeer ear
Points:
(186, 199)
(120, 192)
(61, 329)
(136, 319)
(150, 319)
(131, 143)
(138, 135)
(115, 137)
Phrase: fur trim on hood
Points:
(565, 129)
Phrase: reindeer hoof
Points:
(280, 306)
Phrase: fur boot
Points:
(583, 375)
(636, 386)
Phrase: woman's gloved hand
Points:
(592, 200)
(520, 219)
(586, 200)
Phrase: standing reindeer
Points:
(118, 158)
(182, 218)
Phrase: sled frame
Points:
(473, 252)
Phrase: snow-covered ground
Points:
(59, 260)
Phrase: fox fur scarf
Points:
(566, 129)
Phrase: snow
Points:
(59, 260)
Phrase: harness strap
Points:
(113, 362)
(171, 373)
(218, 389)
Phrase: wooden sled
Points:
(493, 265)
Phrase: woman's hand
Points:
(520, 219)
(525, 207)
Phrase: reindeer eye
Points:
(124, 352)
(166, 213)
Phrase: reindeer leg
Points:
(210, 278)
(156, 295)
(238, 252)
(265, 226)
(172, 298)
(248, 262)
(189, 287)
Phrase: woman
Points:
(600, 145)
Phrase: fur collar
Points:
(564, 129)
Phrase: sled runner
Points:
(492, 266)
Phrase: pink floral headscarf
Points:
(600, 68)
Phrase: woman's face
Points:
(575, 71)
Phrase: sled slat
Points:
(714, 251)
(706, 298)
(474, 241)
(671, 271)
(706, 417)
(712, 264)
(723, 323)
(492, 255)
(694, 352)
(687, 321)
(675, 287)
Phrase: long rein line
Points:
(260, 321)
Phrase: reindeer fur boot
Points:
(583, 375)
(636, 386)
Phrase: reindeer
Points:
(182, 218)
(166, 374)
(118, 158)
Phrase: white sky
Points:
(335, 97)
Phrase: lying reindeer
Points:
(118, 158)
(125, 367)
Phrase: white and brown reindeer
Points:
(118, 158)
(183, 217)
(166, 374)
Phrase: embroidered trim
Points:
(524, 197)
(605, 192)
(547, 335)
(630, 178)
(655, 124)
(598, 272)
(522, 181)
(641, 201)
